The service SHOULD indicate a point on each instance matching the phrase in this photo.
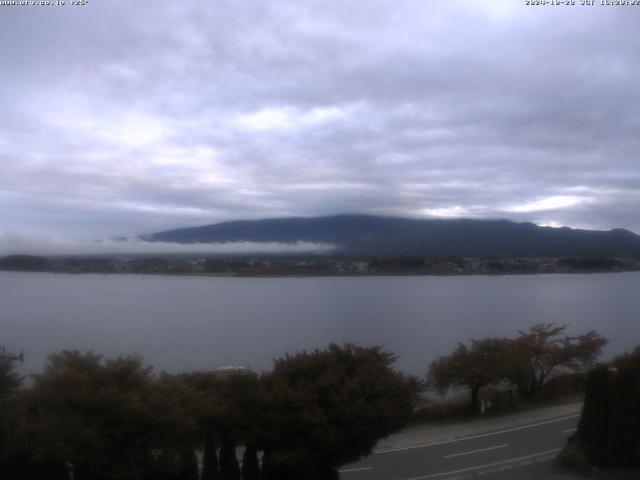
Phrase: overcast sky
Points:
(127, 117)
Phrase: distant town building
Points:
(232, 370)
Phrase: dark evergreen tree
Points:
(210, 458)
(621, 442)
(146, 469)
(609, 428)
(593, 428)
(229, 467)
(13, 454)
(266, 470)
(166, 467)
(231, 403)
(628, 406)
(52, 469)
(187, 465)
(83, 471)
(250, 464)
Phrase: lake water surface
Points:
(186, 323)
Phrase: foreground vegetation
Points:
(608, 434)
(90, 418)
(114, 419)
(536, 357)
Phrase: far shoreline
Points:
(325, 275)
(302, 266)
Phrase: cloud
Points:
(287, 119)
(14, 244)
(555, 202)
(136, 119)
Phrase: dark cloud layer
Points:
(130, 117)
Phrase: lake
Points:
(186, 323)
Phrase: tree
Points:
(10, 380)
(594, 421)
(229, 467)
(108, 417)
(91, 413)
(542, 351)
(609, 428)
(628, 362)
(205, 385)
(481, 363)
(232, 405)
(527, 361)
(330, 407)
(10, 384)
(187, 465)
(250, 464)
(173, 406)
(210, 458)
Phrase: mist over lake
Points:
(186, 323)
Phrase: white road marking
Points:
(361, 469)
(481, 435)
(569, 430)
(511, 466)
(476, 451)
(469, 469)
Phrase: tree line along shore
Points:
(275, 265)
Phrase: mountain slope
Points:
(371, 235)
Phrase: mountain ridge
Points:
(358, 234)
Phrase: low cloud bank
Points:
(13, 244)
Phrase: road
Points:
(489, 455)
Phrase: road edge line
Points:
(480, 435)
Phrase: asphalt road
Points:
(490, 455)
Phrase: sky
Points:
(126, 118)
